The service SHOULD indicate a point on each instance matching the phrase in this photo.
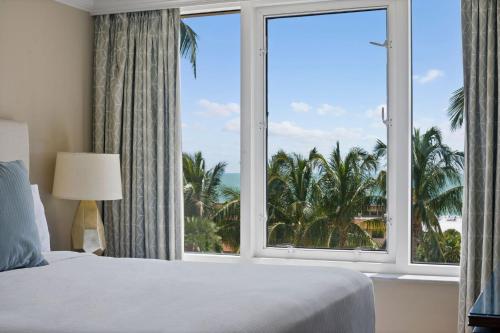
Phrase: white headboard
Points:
(14, 142)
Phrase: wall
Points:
(416, 306)
(45, 80)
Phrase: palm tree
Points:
(201, 235)
(456, 109)
(227, 218)
(346, 184)
(201, 186)
(189, 44)
(204, 208)
(312, 202)
(379, 195)
(450, 248)
(293, 190)
(436, 188)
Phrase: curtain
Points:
(136, 114)
(481, 212)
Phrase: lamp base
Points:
(87, 233)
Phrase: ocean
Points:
(231, 180)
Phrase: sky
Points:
(326, 82)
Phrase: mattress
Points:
(85, 293)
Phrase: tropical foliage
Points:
(189, 44)
(201, 235)
(312, 202)
(436, 190)
(335, 202)
(456, 109)
(449, 243)
(201, 186)
(211, 209)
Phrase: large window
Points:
(326, 132)
(210, 99)
(438, 139)
(351, 145)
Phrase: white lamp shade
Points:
(87, 176)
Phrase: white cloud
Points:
(429, 76)
(325, 109)
(232, 125)
(300, 107)
(218, 109)
(290, 130)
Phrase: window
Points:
(211, 141)
(333, 79)
(329, 141)
(438, 139)
(326, 136)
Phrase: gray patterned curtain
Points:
(481, 213)
(136, 114)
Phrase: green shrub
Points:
(442, 248)
(201, 235)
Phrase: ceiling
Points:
(97, 7)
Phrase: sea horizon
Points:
(231, 179)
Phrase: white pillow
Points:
(41, 221)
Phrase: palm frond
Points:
(189, 44)
(456, 109)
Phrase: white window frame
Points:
(395, 78)
(397, 258)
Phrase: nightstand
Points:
(485, 313)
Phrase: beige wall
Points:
(45, 80)
(416, 306)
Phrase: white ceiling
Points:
(86, 5)
(97, 7)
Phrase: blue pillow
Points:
(19, 241)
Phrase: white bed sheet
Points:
(85, 293)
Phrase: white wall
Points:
(416, 306)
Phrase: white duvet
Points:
(86, 293)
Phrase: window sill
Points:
(413, 278)
(375, 271)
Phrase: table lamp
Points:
(87, 177)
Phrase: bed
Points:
(79, 292)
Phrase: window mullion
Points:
(399, 95)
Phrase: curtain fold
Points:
(481, 212)
(136, 115)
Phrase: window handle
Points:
(385, 120)
(384, 44)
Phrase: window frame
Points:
(393, 80)
(253, 150)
